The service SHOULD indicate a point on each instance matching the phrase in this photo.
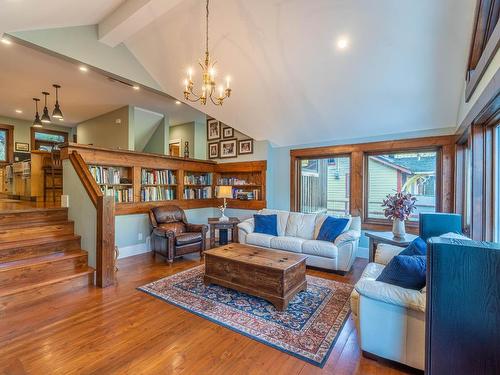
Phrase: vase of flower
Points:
(398, 208)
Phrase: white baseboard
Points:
(140, 248)
(362, 252)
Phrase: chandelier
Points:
(209, 88)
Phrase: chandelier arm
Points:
(214, 103)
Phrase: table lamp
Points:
(224, 192)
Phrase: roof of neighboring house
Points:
(411, 164)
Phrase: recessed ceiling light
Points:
(177, 102)
(136, 87)
(342, 43)
(83, 68)
(19, 111)
(6, 41)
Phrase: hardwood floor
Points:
(120, 330)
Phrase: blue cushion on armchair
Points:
(405, 271)
(331, 228)
(266, 224)
(416, 247)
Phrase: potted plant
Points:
(398, 208)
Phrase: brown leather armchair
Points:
(172, 235)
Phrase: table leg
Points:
(212, 236)
(371, 250)
(234, 237)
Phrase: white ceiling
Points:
(402, 72)
(25, 73)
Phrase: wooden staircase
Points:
(39, 256)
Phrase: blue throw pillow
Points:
(406, 271)
(266, 224)
(416, 247)
(331, 228)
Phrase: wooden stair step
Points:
(46, 215)
(28, 295)
(10, 233)
(25, 273)
(10, 251)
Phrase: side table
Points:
(385, 237)
(223, 227)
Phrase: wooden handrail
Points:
(105, 226)
(86, 178)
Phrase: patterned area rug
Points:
(307, 329)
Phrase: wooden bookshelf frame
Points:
(137, 161)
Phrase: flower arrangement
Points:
(399, 206)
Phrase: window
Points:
(411, 172)
(325, 185)
(3, 145)
(46, 140)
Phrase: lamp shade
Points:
(225, 192)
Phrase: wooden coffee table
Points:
(277, 276)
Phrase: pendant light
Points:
(37, 123)
(57, 113)
(45, 115)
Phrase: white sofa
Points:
(297, 232)
(390, 319)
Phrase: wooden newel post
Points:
(105, 241)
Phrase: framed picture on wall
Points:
(213, 150)
(213, 129)
(245, 147)
(22, 147)
(227, 133)
(228, 148)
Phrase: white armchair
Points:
(390, 320)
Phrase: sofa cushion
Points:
(323, 249)
(320, 218)
(266, 224)
(293, 244)
(300, 225)
(405, 271)
(416, 247)
(331, 228)
(456, 236)
(282, 218)
(259, 239)
(188, 238)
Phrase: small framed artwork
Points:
(245, 147)
(213, 130)
(228, 148)
(213, 150)
(22, 147)
(227, 133)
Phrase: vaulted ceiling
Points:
(402, 71)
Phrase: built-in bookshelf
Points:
(198, 185)
(158, 185)
(114, 182)
(247, 185)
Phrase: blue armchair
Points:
(436, 224)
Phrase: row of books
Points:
(254, 194)
(105, 175)
(200, 193)
(158, 177)
(153, 193)
(121, 195)
(202, 179)
(233, 181)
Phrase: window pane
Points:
(411, 172)
(47, 137)
(325, 185)
(3, 145)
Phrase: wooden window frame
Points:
(445, 193)
(47, 131)
(296, 197)
(375, 221)
(10, 144)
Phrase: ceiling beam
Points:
(130, 17)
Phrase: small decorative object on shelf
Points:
(398, 208)
(224, 192)
(186, 149)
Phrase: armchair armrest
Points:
(347, 236)
(164, 232)
(201, 228)
(385, 252)
(247, 226)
